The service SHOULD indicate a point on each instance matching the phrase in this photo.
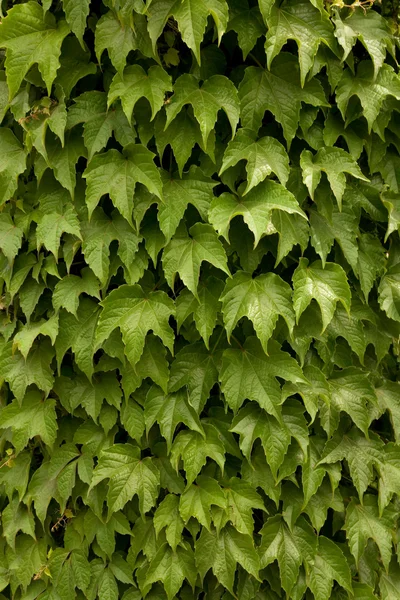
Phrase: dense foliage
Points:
(200, 310)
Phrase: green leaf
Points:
(135, 313)
(241, 500)
(329, 564)
(195, 369)
(222, 552)
(128, 474)
(248, 373)
(371, 88)
(33, 416)
(90, 108)
(256, 209)
(117, 174)
(184, 255)
(97, 236)
(363, 522)
(388, 397)
(327, 286)
(76, 13)
(167, 515)
(21, 373)
(335, 162)
(31, 37)
(263, 157)
(192, 188)
(289, 548)
(10, 237)
(24, 339)
(278, 91)
(370, 28)
(168, 410)
(78, 333)
(194, 449)
(301, 22)
(68, 290)
(74, 65)
(389, 293)
(261, 300)
(191, 17)
(247, 23)
(118, 40)
(196, 500)
(216, 93)
(205, 308)
(12, 163)
(135, 83)
(171, 567)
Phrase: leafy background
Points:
(200, 310)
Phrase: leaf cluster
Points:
(200, 300)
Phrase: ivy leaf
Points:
(167, 515)
(63, 159)
(21, 373)
(153, 363)
(135, 313)
(169, 410)
(117, 174)
(171, 567)
(10, 236)
(74, 65)
(33, 416)
(205, 309)
(12, 163)
(221, 553)
(181, 134)
(134, 83)
(31, 37)
(329, 564)
(191, 17)
(184, 255)
(261, 300)
(194, 449)
(388, 397)
(353, 393)
(364, 522)
(263, 157)
(196, 500)
(327, 285)
(99, 233)
(192, 188)
(248, 373)
(216, 93)
(370, 87)
(256, 208)
(195, 368)
(241, 500)
(252, 422)
(301, 22)
(335, 162)
(68, 290)
(278, 91)
(389, 293)
(90, 108)
(370, 28)
(247, 23)
(288, 547)
(76, 13)
(128, 474)
(24, 339)
(78, 332)
(118, 40)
